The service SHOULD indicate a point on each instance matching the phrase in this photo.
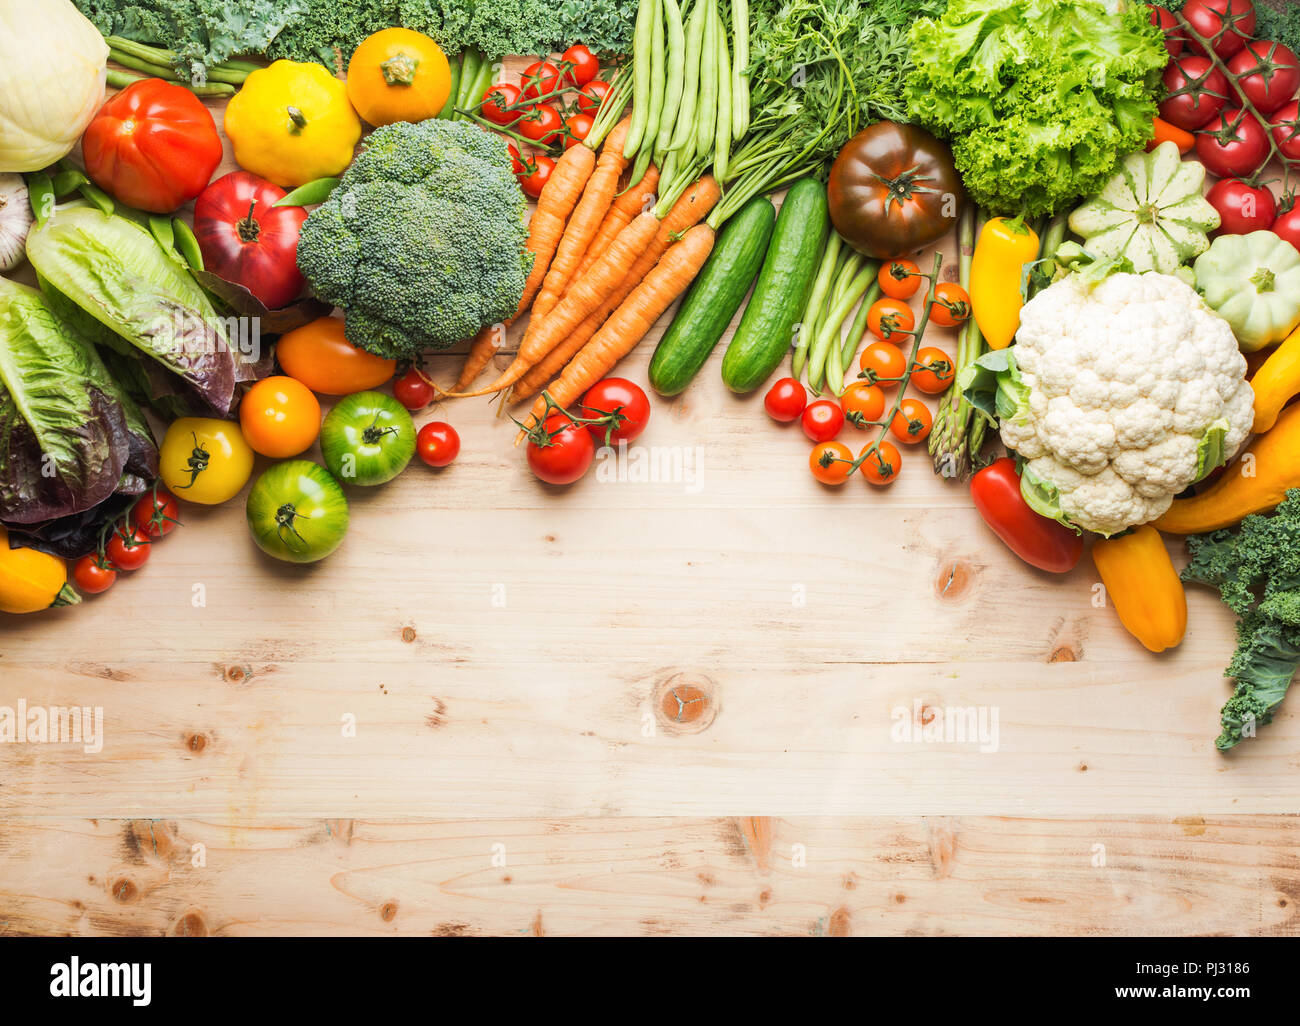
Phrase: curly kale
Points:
(1279, 21)
(422, 243)
(1256, 568)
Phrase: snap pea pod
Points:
(186, 244)
(740, 69)
(858, 327)
(707, 107)
(161, 229)
(675, 69)
(683, 139)
(821, 284)
(722, 132)
(40, 194)
(647, 17)
(317, 191)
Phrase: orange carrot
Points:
(559, 196)
(585, 220)
(544, 334)
(486, 343)
(621, 212)
(637, 314)
(691, 208)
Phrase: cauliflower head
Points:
(1120, 395)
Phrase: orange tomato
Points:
(883, 465)
(862, 403)
(830, 462)
(933, 372)
(397, 74)
(279, 417)
(883, 363)
(890, 320)
(899, 278)
(318, 355)
(951, 305)
(912, 422)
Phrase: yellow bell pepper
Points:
(292, 123)
(1143, 586)
(1253, 484)
(31, 580)
(1276, 383)
(1003, 249)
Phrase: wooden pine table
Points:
(668, 705)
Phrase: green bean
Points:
(119, 79)
(642, 162)
(68, 180)
(740, 69)
(647, 17)
(683, 140)
(40, 194)
(858, 327)
(856, 279)
(187, 245)
(658, 82)
(675, 63)
(707, 107)
(317, 191)
(808, 324)
(722, 134)
(471, 65)
(168, 75)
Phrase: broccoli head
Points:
(422, 243)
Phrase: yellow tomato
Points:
(319, 356)
(279, 417)
(204, 460)
(398, 75)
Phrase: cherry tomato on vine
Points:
(93, 574)
(951, 305)
(1235, 19)
(1243, 208)
(564, 455)
(580, 65)
(1175, 38)
(882, 466)
(541, 123)
(413, 390)
(1197, 90)
(495, 101)
(883, 363)
(1233, 145)
(899, 278)
(830, 462)
(862, 403)
(1285, 125)
(127, 548)
(616, 395)
(541, 79)
(912, 423)
(1287, 226)
(933, 372)
(890, 320)
(576, 128)
(592, 95)
(1268, 74)
(535, 174)
(438, 443)
(785, 400)
(822, 420)
(156, 512)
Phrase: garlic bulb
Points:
(15, 220)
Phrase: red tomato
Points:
(413, 390)
(438, 443)
(912, 422)
(153, 146)
(621, 397)
(1286, 130)
(541, 80)
(1037, 540)
(496, 100)
(541, 123)
(1210, 17)
(128, 548)
(245, 238)
(156, 513)
(1267, 73)
(93, 574)
(882, 467)
(1175, 38)
(576, 128)
(536, 173)
(566, 454)
(822, 420)
(933, 372)
(592, 95)
(785, 400)
(1233, 144)
(1287, 226)
(1242, 207)
(1197, 92)
(580, 65)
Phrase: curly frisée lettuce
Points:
(1039, 98)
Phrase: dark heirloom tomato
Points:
(893, 189)
(1040, 542)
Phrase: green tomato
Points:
(367, 439)
(297, 512)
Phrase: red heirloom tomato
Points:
(894, 189)
(1234, 18)
(1243, 208)
(247, 239)
(1267, 73)
(1040, 542)
(1197, 92)
(1233, 144)
(153, 146)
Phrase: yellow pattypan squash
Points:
(292, 123)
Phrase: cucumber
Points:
(766, 331)
(714, 297)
